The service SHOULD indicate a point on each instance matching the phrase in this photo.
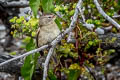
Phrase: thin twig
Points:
(47, 62)
(91, 73)
(81, 12)
(88, 26)
(25, 54)
(16, 4)
(116, 16)
(105, 15)
(74, 19)
(60, 16)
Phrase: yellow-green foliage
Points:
(88, 47)
(24, 27)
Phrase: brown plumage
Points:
(47, 31)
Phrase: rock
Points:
(2, 31)
(99, 31)
(23, 11)
(18, 44)
(5, 76)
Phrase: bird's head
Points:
(47, 19)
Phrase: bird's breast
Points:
(48, 33)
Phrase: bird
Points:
(48, 30)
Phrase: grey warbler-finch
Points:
(48, 29)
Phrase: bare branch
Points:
(74, 19)
(116, 16)
(16, 4)
(105, 15)
(25, 54)
(71, 27)
(81, 12)
(89, 70)
(54, 42)
(70, 39)
(47, 62)
(60, 16)
(88, 26)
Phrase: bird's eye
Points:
(49, 17)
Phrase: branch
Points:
(25, 54)
(99, 31)
(116, 16)
(16, 4)
(105, 15)
(12, 67)
(74, 19)
(71, 27)
(60, 16)
(47, 62)
(54, 42)
(88, 26)
(70, 38)
(91, 26)
(89, 70)
(81, 12)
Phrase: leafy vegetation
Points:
(71, 57)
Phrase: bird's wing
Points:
(38, 32)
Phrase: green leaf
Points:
(47, 6)
(26, 40)
(13, 53)
(97, 22)
(30, 61)
(30, 45)
(73, 74)
(90, 43)
(57, 21)
(19, 21)
(33, 34)
(90, 21)
(119, 2)
(28, 68)
(13, 19)
(34, 4)
(51, 75)
(104, 0)
(36, 58)
(71, 12)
